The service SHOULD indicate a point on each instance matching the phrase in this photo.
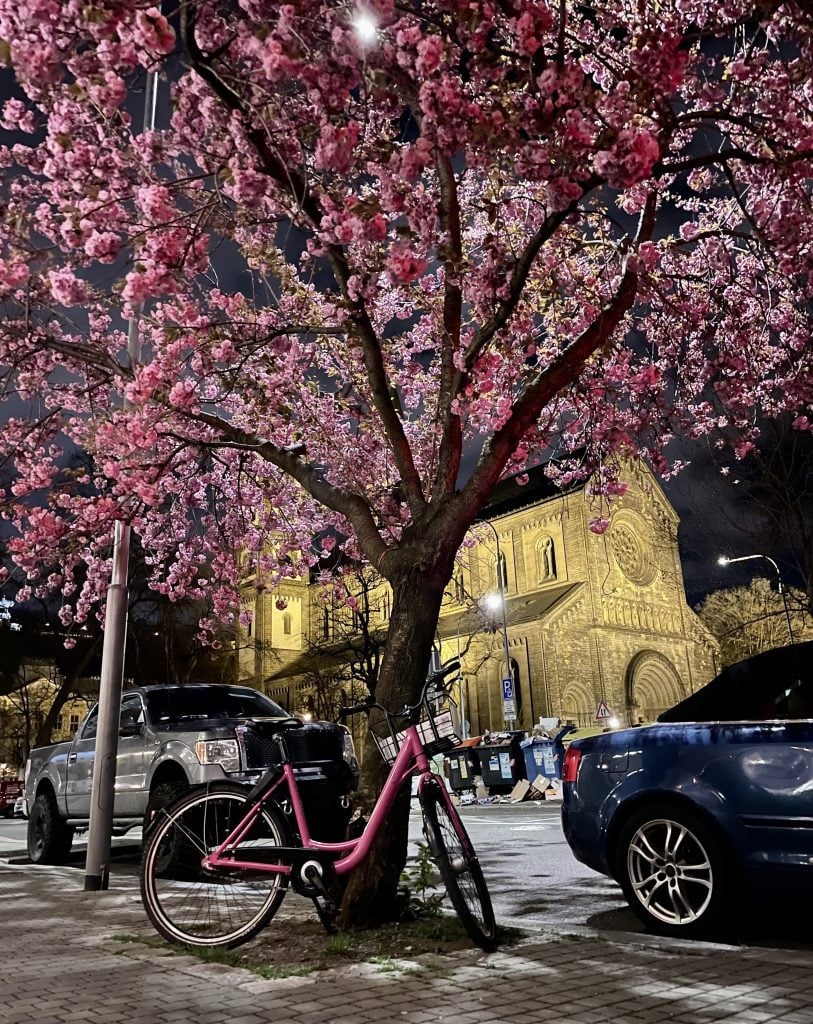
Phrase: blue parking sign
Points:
(509, 707)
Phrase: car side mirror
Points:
(130, 728)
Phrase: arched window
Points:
(545, 559)
(517, 687)
(460, 589)
(502, 571)
(287, 622)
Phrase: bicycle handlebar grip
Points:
(354, 709)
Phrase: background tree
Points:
(368, 239)
(763, 496)
(749, 620)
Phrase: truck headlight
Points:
(349, 751)
(226, 753)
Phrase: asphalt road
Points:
(535, 881)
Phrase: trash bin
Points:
(543, 753)
(501, 761)
(462, 764)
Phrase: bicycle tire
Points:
(459, 867)
(191, 906)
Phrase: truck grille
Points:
(315, 741)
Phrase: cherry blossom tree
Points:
(367, 239)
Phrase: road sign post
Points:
(509, 706)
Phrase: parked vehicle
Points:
(10, 790)
(173, 739)
(19, 808)
(715, 799)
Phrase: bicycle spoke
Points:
(198, 906)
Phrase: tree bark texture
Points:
(370, 895)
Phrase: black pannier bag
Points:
(324, 775)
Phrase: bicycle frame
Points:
(411, 760)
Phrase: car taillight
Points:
(570, 769)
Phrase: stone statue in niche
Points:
(545, 559)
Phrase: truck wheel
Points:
(49, 838)
(674, 872)
(162, 796)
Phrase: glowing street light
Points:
(725, 560)
(365, 26)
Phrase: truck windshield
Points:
(186, 703)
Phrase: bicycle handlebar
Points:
(356, 709)
(367, 705)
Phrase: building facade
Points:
(585, 618)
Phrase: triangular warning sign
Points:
(602, 711)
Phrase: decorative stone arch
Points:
(652, 685)
(578, 704)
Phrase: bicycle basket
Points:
(438, 728)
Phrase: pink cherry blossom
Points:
(490, 230)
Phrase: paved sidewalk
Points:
(61, 964)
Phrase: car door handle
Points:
(71, 758)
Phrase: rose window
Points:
(630, 555)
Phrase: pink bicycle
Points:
(218, 862)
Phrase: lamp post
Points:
(97, 862)
(462, 683)
(725, 560)
(509, 675)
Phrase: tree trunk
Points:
(370, 897)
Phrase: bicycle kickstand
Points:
(325, 907)
(327, 914)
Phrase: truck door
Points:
(130, 763)
(130, 767)
(79, 772)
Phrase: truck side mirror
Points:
(129, 727)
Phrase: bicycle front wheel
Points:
(194, 906)
(459, 867)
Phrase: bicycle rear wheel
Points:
(459, 867)
(194, 906)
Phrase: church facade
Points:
(584, 622)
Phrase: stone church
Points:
(579, 618)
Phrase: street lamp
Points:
(492, 603)
(725, 560)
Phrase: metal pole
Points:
(780, 585)
(462, 684)
(97, 863)
(508, 673)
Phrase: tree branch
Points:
(451, 445)
(564, 369)
(360, 325)
(307, 475)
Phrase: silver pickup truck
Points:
(172, 738)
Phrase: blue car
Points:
(715, 798)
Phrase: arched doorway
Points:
(652, 685)
(578, 705)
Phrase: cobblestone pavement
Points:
(61, 963)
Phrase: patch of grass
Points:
(509, 936)
(341, 944)
(229, 957)
(386, 964)
(271, 973)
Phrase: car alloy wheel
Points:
(670, 872)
